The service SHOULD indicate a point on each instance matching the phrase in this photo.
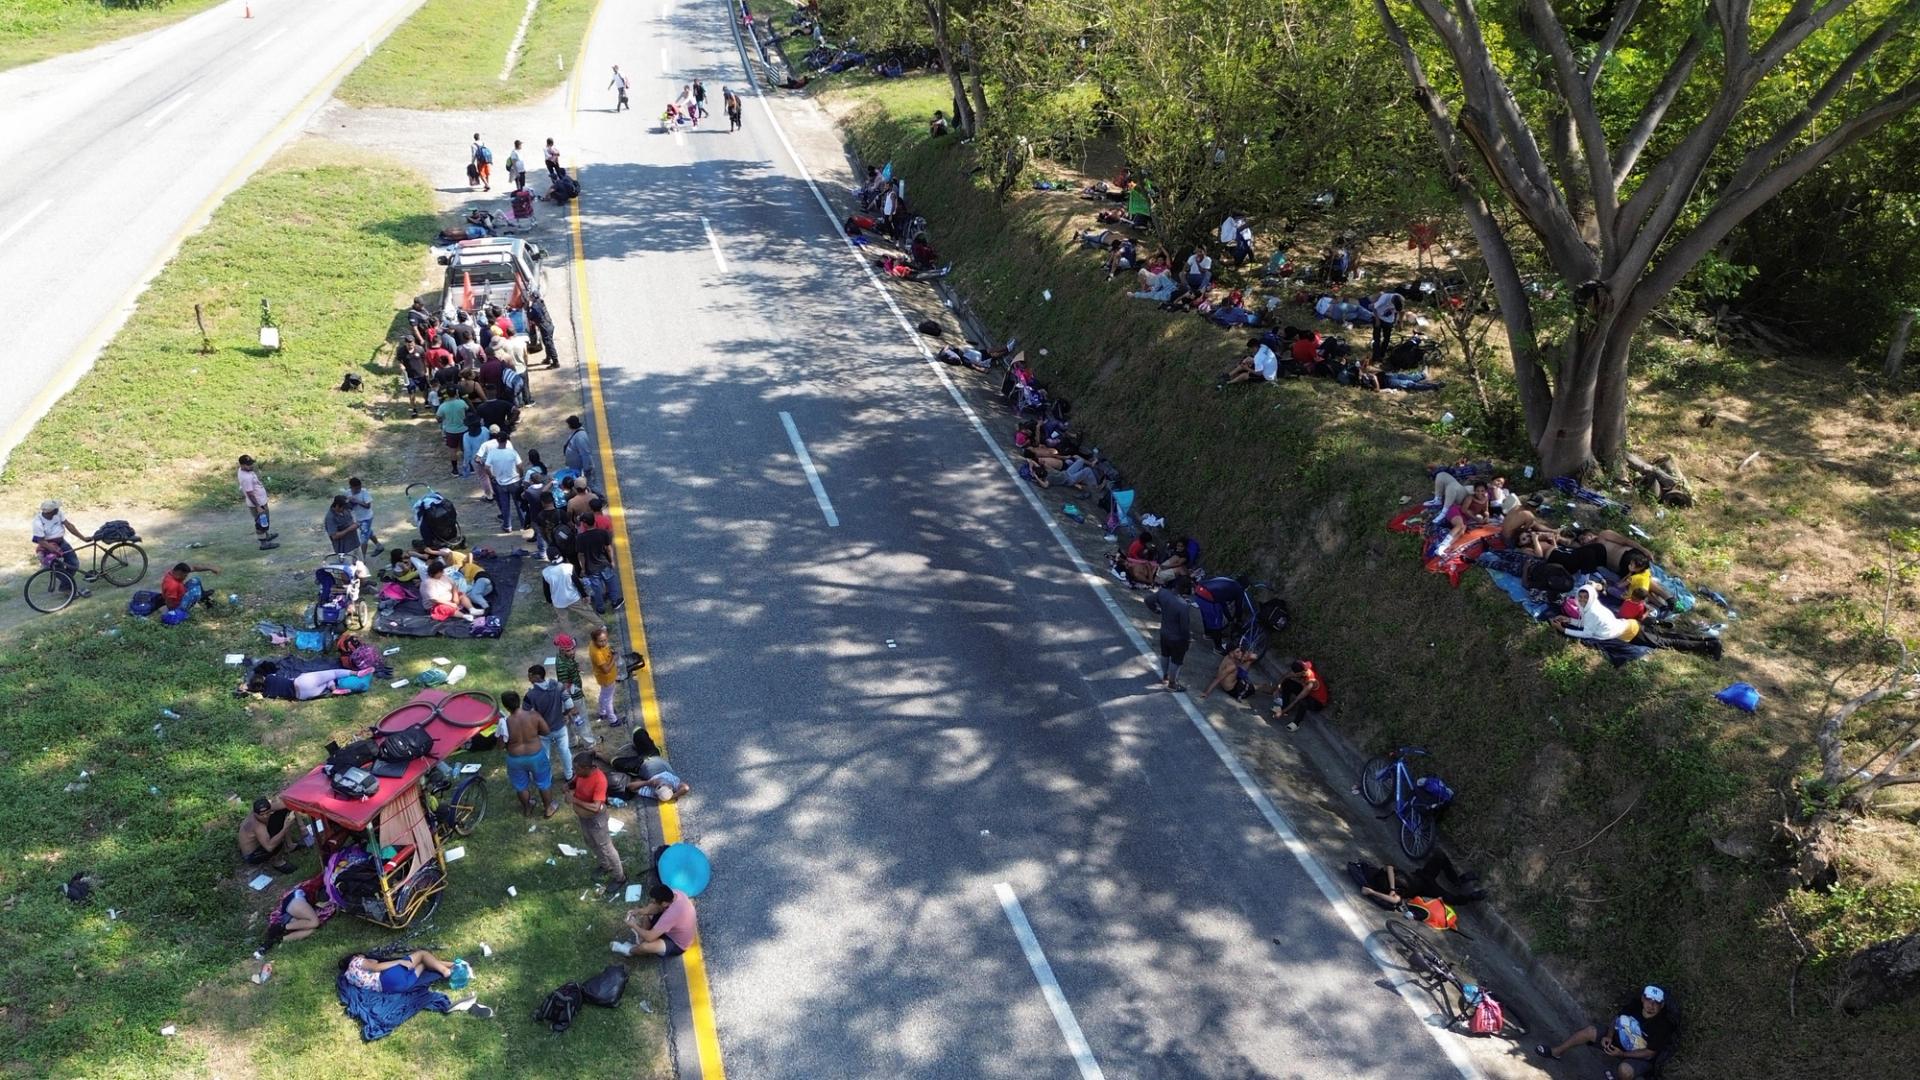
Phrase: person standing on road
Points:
(517, 167)
(590, 806)
(578, 449)
(255, 493)
(1176, 630)
(619, 83)
(482, 162)
(699, 101)
(553, 161)
(732, 102)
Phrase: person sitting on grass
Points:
(1179, 561)
(1122, 254)
(937, 127)
(1640, 1039)
(1300, 692)
(1258, 366)
(666, 926)
(1234, 676)
(441, 600)
(268, 835)
(1469, 513)
(921, 252)
(180, 590)
(1141, 559)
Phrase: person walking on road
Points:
(553, 161)
(589, 796)
(578, 448)
(699, 101)
(619, 83)
(255, 493)
(732, 102)
(482, 162)
(516, 167)
(1176, 629)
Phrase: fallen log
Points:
(1665, 477)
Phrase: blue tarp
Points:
(380, 1013)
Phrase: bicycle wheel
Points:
(1417, 832)
(1420, 954)
(469, 806)
(49, 590)
(124, 564)
(1376, 780)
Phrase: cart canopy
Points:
(451, 719)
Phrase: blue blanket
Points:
(380, 1013)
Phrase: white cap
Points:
(1654, 994)
(50, 506)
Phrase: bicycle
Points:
(1385, 778)
(457, 802)
(52, 587)
(1436, 974)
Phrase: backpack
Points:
(1486, 1017)
(350, 382)
(1434, 793)
(406, 744)
(486, 156)
(354, 783)
(1273, 615)
(143, 603)
(115, 530)
(559, 1009)
(606, 988)
(174, 616)
(355, 755)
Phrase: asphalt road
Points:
(888, 719)
(116, 152)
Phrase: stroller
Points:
(337, 605)
(438, 521)
(1227, 612)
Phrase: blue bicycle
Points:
(1385, 780)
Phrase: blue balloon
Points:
(684, 867)
(1742, 696)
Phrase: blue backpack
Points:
(143, 603)
(1435, 795)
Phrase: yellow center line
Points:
(699, 994)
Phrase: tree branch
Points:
(1622, 18)
(1801, 22)
(1656, 109)
(1734, 207)
(1577, 93)
(1761, 156)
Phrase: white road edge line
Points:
(1289, 837)
(1049, 986)
(268, 40)
(519, 39)
(714, 243)
(21, 221)
(813, 474)
(167, 108)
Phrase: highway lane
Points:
(896, 722)
(119, 151)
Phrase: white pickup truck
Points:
(491, 270)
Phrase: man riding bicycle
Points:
(50, 529)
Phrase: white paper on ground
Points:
(390, 652)
(260, 882)
(469, 768)
(633, 894)
(236, 658)
(455, 854)
(570, 851)
(441, 660)
(169, 1030)
(486, 949)
(614, 825)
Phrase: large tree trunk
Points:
(1566, 443)
(977, 88)
(937, 22)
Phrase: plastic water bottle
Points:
(169, 714)
(461, 975)
(233, 599)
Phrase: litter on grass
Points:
(511, 891)
(454, 854)
(442, 661)
(260, 882)
(236, 658)
(570, 851)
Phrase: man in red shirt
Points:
(590, 806)
(1303, 689)
(180, 589)
(1306, 350)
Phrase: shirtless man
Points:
(527, 763)
(1235, 676)
(267, 833)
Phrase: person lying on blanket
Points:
(1597, 622)
(1522, 531)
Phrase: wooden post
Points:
(1897, 351)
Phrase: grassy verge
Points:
(1547, 745)
(448, 55)
(86, 993)
(33, 30)
(331, 242)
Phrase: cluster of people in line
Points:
(689, 107)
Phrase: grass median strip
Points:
(330, 243)
(449, 54)
(32, 30)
